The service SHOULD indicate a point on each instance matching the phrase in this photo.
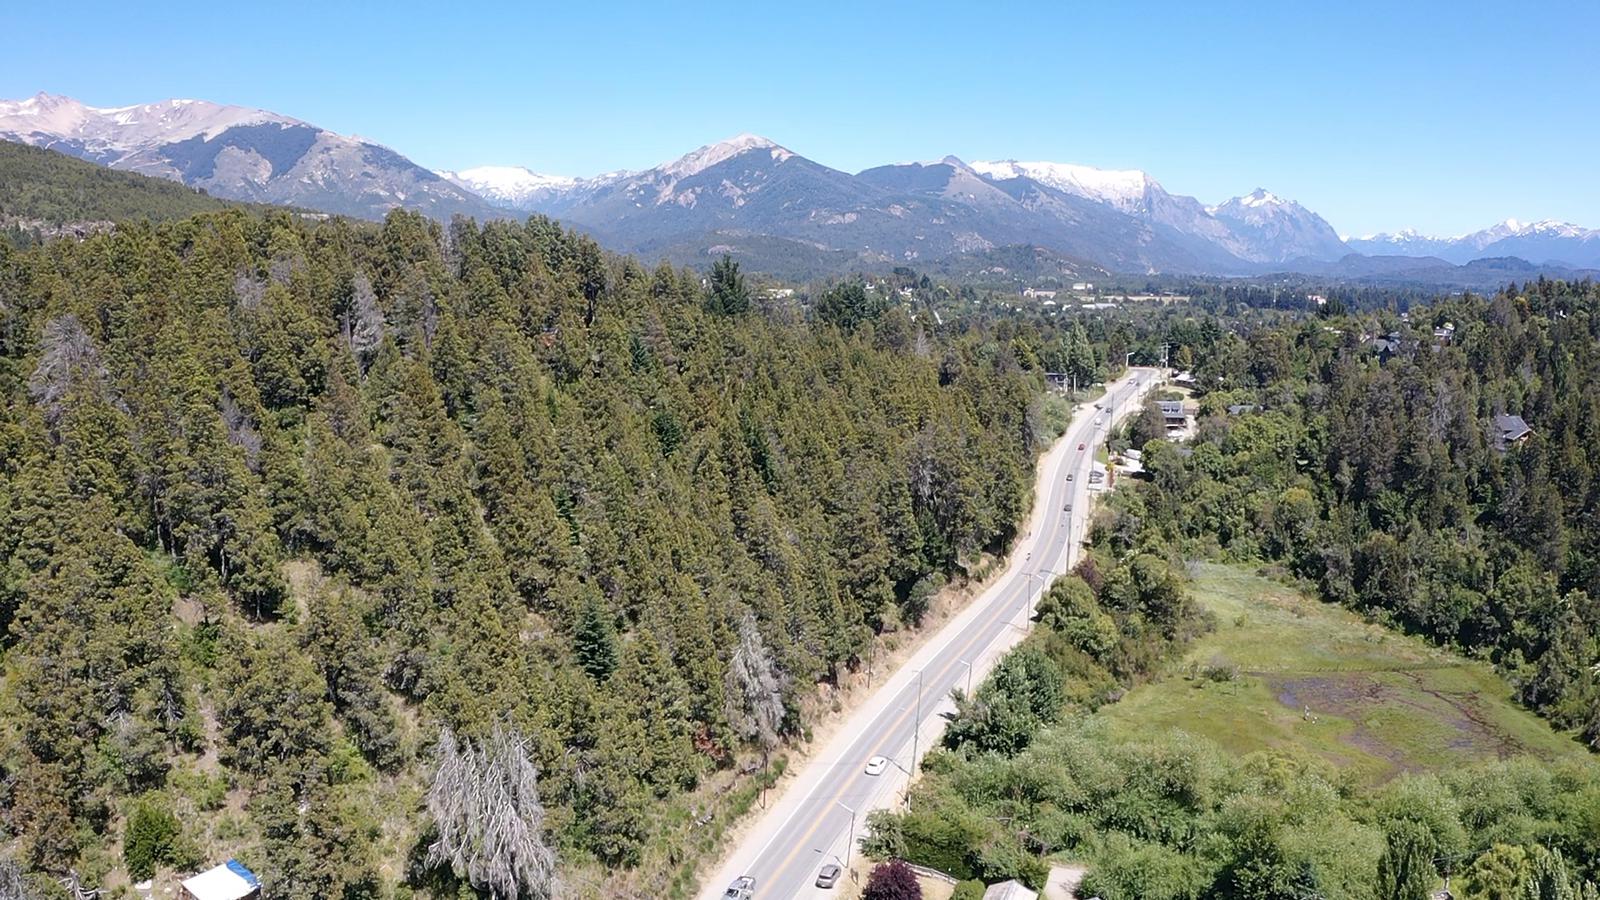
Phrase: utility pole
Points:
(969, 676)
(850, 843)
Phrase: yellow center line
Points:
(805, 839)
(788, 859)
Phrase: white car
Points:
(877, 765)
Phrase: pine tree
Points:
(595, 642)
(728, 294)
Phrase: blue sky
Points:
(1444, 116)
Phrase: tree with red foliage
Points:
(892, 880)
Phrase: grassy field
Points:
(1283, 670)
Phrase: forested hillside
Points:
(352, 550)
(42, 187)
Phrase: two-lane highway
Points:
(824, 809)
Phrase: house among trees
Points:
(1509, 430)
(1009, 890)
(1173, 415)
(229, 881)
(1386, 346)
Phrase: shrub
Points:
(152, 836)
(892, 880)
(968, 890)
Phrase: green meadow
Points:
(1285, 671)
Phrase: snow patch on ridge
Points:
(1122, 188)
(698, 161)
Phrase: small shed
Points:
(1009, 890)
(229, 881)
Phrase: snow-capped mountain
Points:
(751, 195)
(512, 187)
(748, 186)
(1280, 230)
(1124, 189)
(693, 163)
(239, 153)
(1539, 242)
(1245, 236)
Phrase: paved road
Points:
(813, 822)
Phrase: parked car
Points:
(828, 876)
(743, 888)
(877, 765)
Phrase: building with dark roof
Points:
(1509, 429)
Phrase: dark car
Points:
(828, 876)
(1080, 446)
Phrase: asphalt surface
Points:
(823, 812)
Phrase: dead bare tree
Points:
(67, 355)
(248, 290)
(485, 807)
(754, 688)
(12, 886)
(367, 322)
(242, 431)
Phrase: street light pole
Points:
(969, 676)
(1040, 578)
(916, 731)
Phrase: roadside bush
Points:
(971, 889)
(1136, 870)
(939, 836)
(1023, 693)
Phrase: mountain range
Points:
(761, 201)
(1540, 242)
(239, 153)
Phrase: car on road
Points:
(877, 765)
(743, 888)
(1069, 476)
(828, 876)
(1080, 446)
